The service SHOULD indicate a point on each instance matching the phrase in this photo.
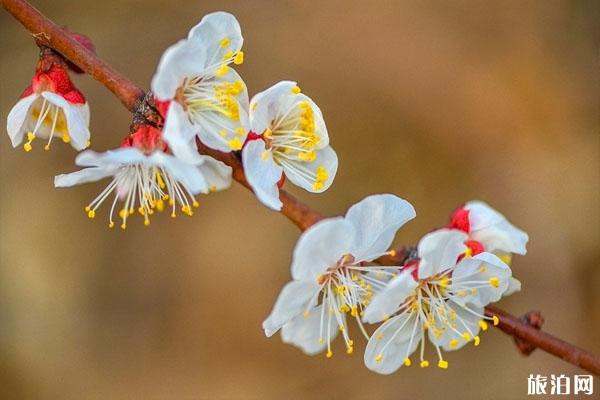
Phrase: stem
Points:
(46, 33)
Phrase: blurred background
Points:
(437, 102)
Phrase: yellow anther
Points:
(349, 350)
(424, 364)
(123, 226)
(223, 133)
(228, 55)
(477, 340)
(222, 70)
(239, 58)
(111, 224)
(87, 208)
(267, 133)
(224, 42)
(482, 269)
(131, 211)
(306, 314)
(213, 188)
(235, 144)
(296, 89)
(466, 336)
(407, 362)
(444, 282)
(173, 215)
(141, 210)
(468, 252)
(66, 138)
(159, 179)
(321, 340)
(379, 357)
(160, 204)
(453, 343)
(506, 259)
(354, 311)
(27, 147)
(494, 282)
(329, 354)
(47, 147)
(195, 204)
(123, 213)
(30, 136)
(495, 320)
(264, 155)
(341, 328)
(392, 253)
(146, 222)
(483, 325)
(354, 277)
(443, 364)
(91, 214)
(240, 131)
(386, 317)
(88, 143)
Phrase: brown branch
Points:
(526, 331)
(47, 33)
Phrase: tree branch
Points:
(526, 331)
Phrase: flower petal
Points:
(471, 273)
(187, 174)
(293, 300)
(216, 174)
(91, 174)
(492, 229)
(315, 176)
(391, 343)
(264, 106)
(262, 173)
(77, 117)
(120, 156)
(180, 135)
(514, 286)
(387, 302)
(221, 34)
(465, 326)
(439, 250)
(305, 332)
(377, 218)
(322, 246)
(17, 117)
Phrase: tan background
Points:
(437, 102)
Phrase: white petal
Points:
(17, 117)
(76, 116)
(265, 106)
(377, 218)
(293, 300)
(514, 285)
(187, 174)
(216, 174)
(120, 156)
(305, 332)
(182, 60)
(392, 341)
(439, 250)
(464, 322)
(211, 32)
(322, 246)
(180, 135)
(492, 229)
(480, 269)
(262, 173)
(303, 174)
(387, 302)
(91, 174)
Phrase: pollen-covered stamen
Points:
(49, 119)
(144, 188)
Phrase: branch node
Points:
(535, 320)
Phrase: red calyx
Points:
(253, 136)
(162, 107)
(460, 220)
(475, 246)
(414, 266)
(147, 139)
(56, 79)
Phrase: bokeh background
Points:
(438, 102)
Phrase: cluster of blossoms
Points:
(441, 292)
(278, 134)
(337, 273)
